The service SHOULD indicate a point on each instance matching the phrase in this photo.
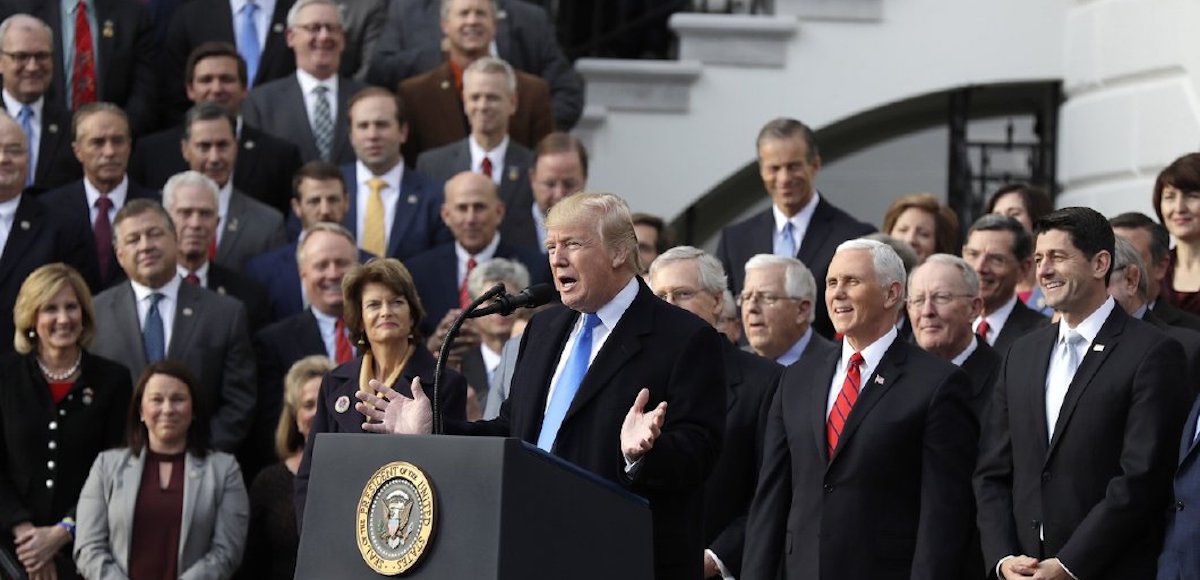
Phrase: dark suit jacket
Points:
(1099, 487)
(660, 347)
(1173, 315)
(198, 21)
(435, 274)
(253, 297)
(38, 238)
(278, 108)
(251, 228)
(124, 45)
(1021, 321)
(435, 111)
(56, 162)
(343, 382)
(412, 38)
(277, 273)
(829, 227)
(895, 500)
(418, 223)
(1180, 559)
(71, 211)
(209, 335)
(983, 368)
(264, 169)
(750, 382)
(444, 162)
(1186, 337)
(363, 21)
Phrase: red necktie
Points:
(845, 401)
(102, 230)
(486, 167)
(343, 352)
(982, 330)
(464, 295)
(192, 279)
(83, 81)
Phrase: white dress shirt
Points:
(390, 194)
(497, 155)
(116, 196)
(799, 222)
(308, 87)
(872, 354)
(996, 320)
(166, 306)
(1057, 378)
(610, 314)
(201, 273)
(487, 253)
(328, 327)
(967, 352)
(8, 215)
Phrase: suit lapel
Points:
(733, 374)
(404, 216)
(623, 342)
(814, 236)
(873, 389)
(538, 360)
(104, 45)
(49, 143)
(350, 177)
(1106, 342)
(275, 47)
(233, 224)
(192, 482)
(26, 227)
(510, 180)
(293, 100)
(187, 317)
(124, 312)
(341, 128)
(1187, 443)
(1033, 381)
(130, 481)
(824, 365)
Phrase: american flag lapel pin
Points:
(1098, 348)
(879, 380)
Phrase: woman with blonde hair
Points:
(60, 406)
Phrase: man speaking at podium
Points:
(616, 381)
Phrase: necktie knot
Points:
(155, 298)
(590, 321)
(26, 114)
(250, 8)
(376, 185)
(982, 330)
(321, 90)
(1073, 339)
(103, 203)
(192, 279)
(856, 360)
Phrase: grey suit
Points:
(363, 21)
(251, 228)
(278, 108)
(444, 162)
(209, 335)
(501, 381)
(216, 513)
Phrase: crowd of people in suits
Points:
(226, 227)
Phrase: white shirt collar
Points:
(8, 209)
(497, 155)
(1090, 326)
(170, 290)
(391, 177)
(482, 256)
(610, 314)
(117, 195)
(873, 353)
(13, 106)
(491, 358)
(309, 83)
(322, 317)
(799, 221)
(201, 272)
(967, 352)
(794, 353)
(996, 319)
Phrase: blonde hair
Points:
(288, 439)
(610, 213)
(39, 288)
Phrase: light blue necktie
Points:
(787, 241)
(153, 337)
(568, 383)
(247, 39)
(25, 118)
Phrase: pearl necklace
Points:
(59, 377)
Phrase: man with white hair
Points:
(479, 363)
(777, 308)
(943, 300)
(869, 446)
(695, 281)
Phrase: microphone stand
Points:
(440, 371)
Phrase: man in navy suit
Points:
(694, 280)
(28, 69)
(1000, 250)
(1153, 243)
(623, 346)
(801, 223)
(869, 446)
(1180, 559)
(1077, 453)
(102, 140)
(393, 211)
(777, 302)
(472, 211)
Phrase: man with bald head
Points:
(869, 446)
(27, 67)
(695, 281)
(30, 234)
(473, 212)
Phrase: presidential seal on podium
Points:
(395, 518)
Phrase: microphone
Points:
(506, 304)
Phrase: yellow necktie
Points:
(373, 239)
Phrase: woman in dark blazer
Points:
(59, 407)
(383, 315)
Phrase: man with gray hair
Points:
(102, 141)
(191, 199)
(777, 302)
(871, 440)
(695, 281)
(479, 363)
(308, 108)
(489, 100)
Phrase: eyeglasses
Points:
(25, 57)
(938, 299)
(763, 298)
(678, 294)
(315, 28)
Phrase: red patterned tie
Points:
(982, 330)
(342, 349)
(464, 295)
(486, 167)
(83, 81)
(845, 401)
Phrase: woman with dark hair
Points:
(166, 506)
(383, 316)
(1177, 202)
(60, 406)
(1026, 204)
(924, 223)
(273, 541)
